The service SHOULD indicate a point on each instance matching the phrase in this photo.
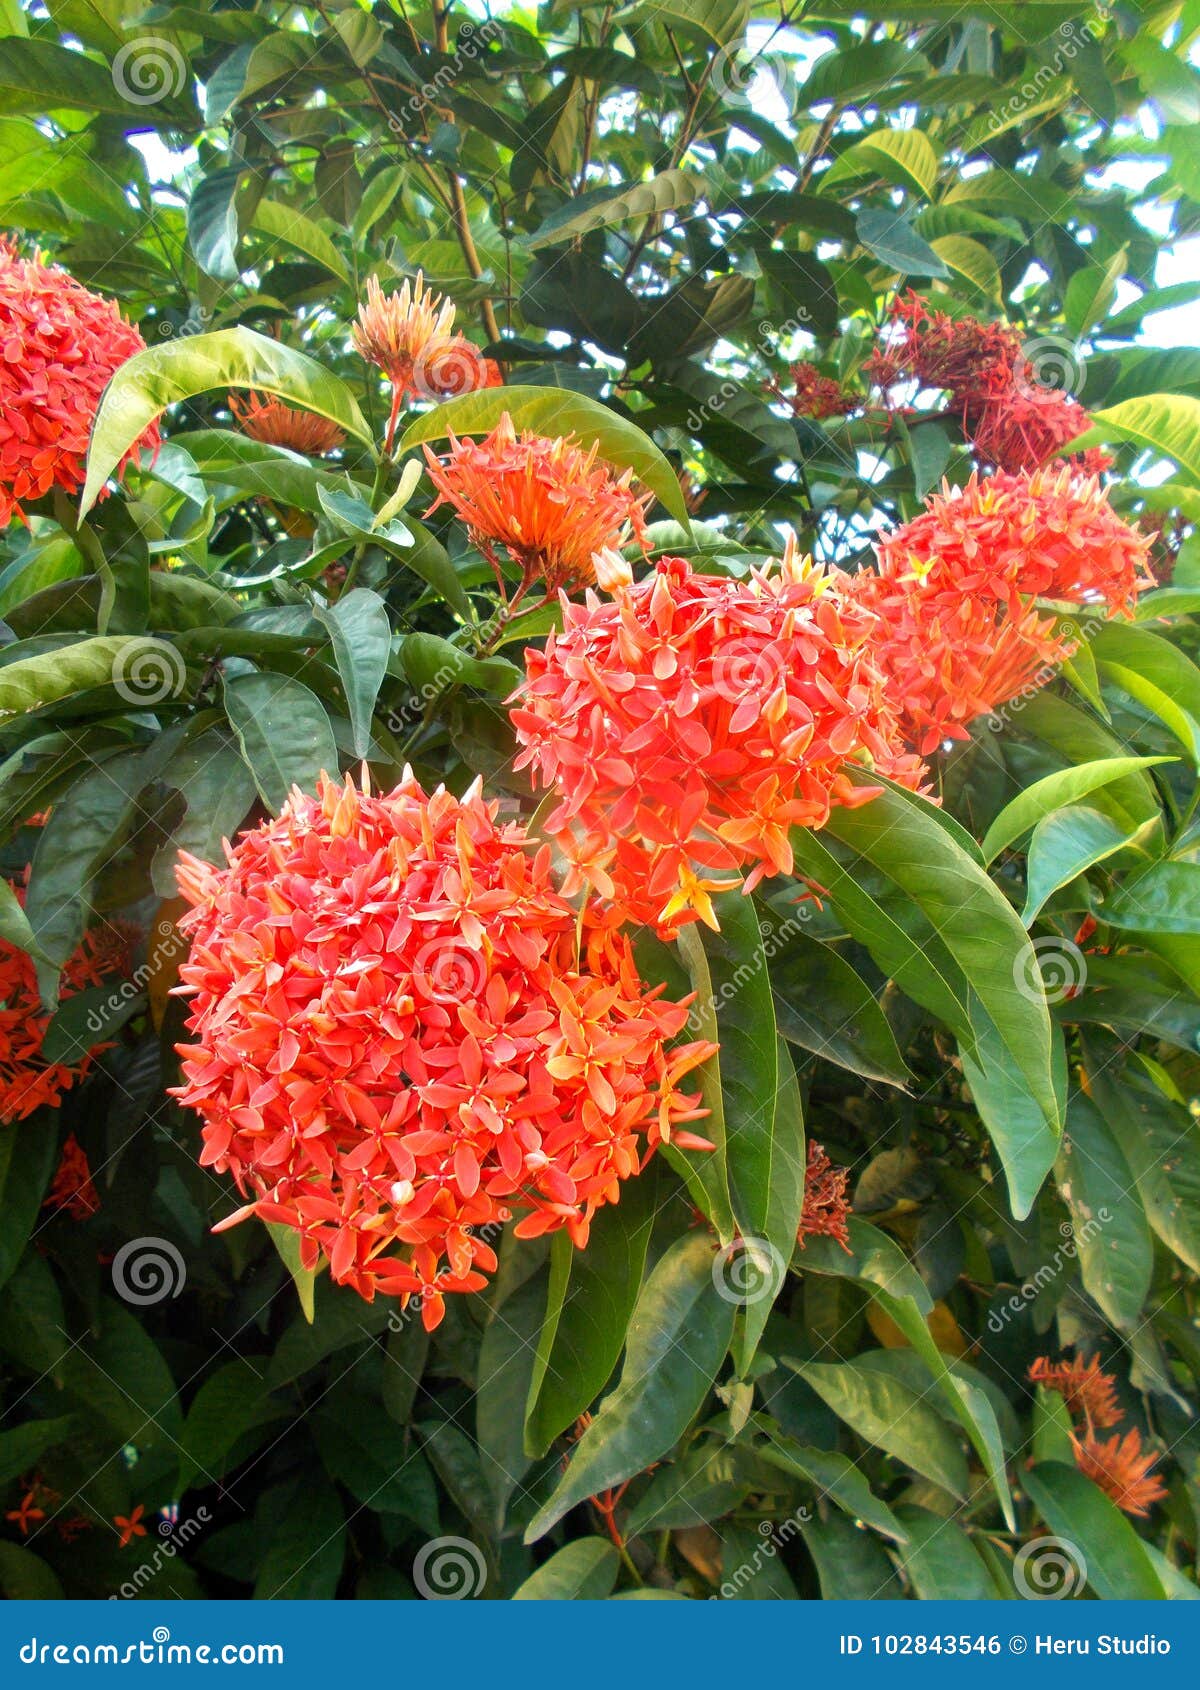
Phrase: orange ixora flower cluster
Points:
(1119, 1465)
(826, 1212)
(27, 1080)
(59, 345)
(410, 336)
(955, 592)
(550, 504)
(1013, 420)
(397, 1045)
(270, 421)
(690, 721)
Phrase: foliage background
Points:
(650, 208)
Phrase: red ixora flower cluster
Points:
(691, 720)
(72, 1190)
(1119, 1465)
(1013, 420)
(270, 421)
(551, 505)
(813, 395)
(397, 1045)
(59, 345)
(27, 1080)
(955, 591)
(826, 1212)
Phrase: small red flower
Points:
(269, 420)
(814, 395)
(691, 721)
(28, 1513)
(551, 505)
(59, 345)
(131, 1527)
(1084, 1387)
(826, 1211)
(72, 1188)
(1121, 1467)
(398, 1046)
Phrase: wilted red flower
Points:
(1046, 534)
(1013, 420)
(826, 1211)
(265, 418)
(1121, 1467)
(1084, 1387)
(551, 505)
(949, 657)
(691, 721)
(26, 1079)
(397, 1045)
(59, 345)
(72, 1188)
(813, 395)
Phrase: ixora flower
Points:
(1119, 1465)
(549, 503)
(59, 345)
(690, 721)
(410, 336)
(72, 1190)
(397, 1046)
(27, 1080)
(826, 1212)
(813, 395)
(1047, 534)
(269, 420)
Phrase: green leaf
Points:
(40, 76)
(824, 1005)
(941, 1560)
(906, 157)
(885, 1412)
(600, 208)
(722, 21)
(219, 792)
(506, 1363)
(305, 1545)
(229, 1403)
(1112, 1239)
(212, 223)
(970, 261)
(835, 1476)
(25, 1577)
(888, 237)
(285, 223)
(1163, 898)
(361, 635)
(148, 382)
(552, 411)
(1160, 1143)
(851, 1564)
(1042, 797)
(145, 672)
(251, 466)
(588, 1306)
(1166, 423)
(1090, 293)
(284, 734)
(677, 1341)
(1157, 674)
(584, 1570)
(1076, 1510)
(27, 1155)
(21, 1447)
(287, 1243)
(873, 1260)
(1064, 845)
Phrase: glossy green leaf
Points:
(1104, 1546)
(284, 734)
(887, 1413)
(361, 634)
(1042, 797)
(836, 1477)
(1162, 898)
(600, 208)
(582, 1571)
(1166, 423)
(1064, 845)
(941, 1560)
(825, 1006)
(1112, 1239)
